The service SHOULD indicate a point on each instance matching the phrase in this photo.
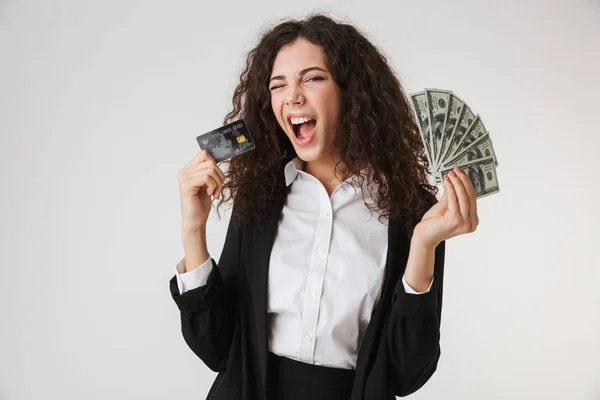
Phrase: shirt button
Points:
(313, 292)
(309, 338)
(322, 252)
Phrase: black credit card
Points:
(227, 141)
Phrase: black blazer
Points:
(225, 321)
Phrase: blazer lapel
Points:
(265, 236)
(397, 256)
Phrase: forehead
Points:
(297, 56)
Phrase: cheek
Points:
(332, 105)
(275, 107)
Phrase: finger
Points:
(463, 201)
(452, 201)
(221, 179)
(206, 176)
(470, 191)
(211, 184)
(465, 180)
(203, 155)
(194, 182)
(205, 167)
(221, 173)
(211, 167)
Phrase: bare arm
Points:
(194, 247)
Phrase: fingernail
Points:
(452, 173)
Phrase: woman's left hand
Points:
(454, 214)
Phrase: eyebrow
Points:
(304, 71)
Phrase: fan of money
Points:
(455, 136)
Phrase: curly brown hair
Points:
(373, 102)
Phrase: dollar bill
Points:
(454, 112)
(437, 105)
(466, 119)
(482, 173)
(480, 148)
(474, 132)
(420, 105)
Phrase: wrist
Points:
(420, 265)
(420, 238)
(193, 228)
(423, 245)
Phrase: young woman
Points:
(329, 285)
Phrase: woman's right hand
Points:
(198, 180)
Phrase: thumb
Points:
(443, 201)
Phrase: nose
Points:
(294, 96)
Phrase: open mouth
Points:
(304, 129)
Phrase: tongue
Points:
(306, 129)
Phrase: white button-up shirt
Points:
(325, 272)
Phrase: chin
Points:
(308, 155)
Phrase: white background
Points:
(100, 104)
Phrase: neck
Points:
(325, 171)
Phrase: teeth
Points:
(301, 120)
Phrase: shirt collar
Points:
(292, 169)
(294, 166)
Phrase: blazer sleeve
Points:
(414, 332)
(209, 312)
